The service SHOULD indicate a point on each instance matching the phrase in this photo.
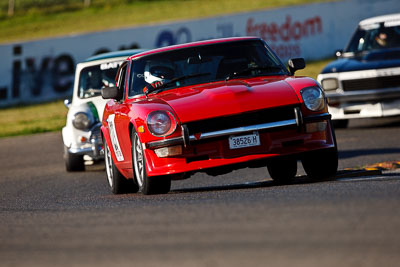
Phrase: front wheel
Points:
(147, 184)
(282, 170)
(321, 164)
(117, 182)
(73, 163)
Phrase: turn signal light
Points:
(168, 151)
(316, 127)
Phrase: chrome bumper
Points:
(94, 148)
(363, 95)
(96, 151)
(186, 139)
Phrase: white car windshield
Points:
(93, 78)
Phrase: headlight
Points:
(330, 84)
(81, 121)
(313, 98)
(161, 123)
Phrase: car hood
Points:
(376, 59)
(230, 97)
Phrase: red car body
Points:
(202, 118)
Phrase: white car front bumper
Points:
(359, 110)
(84, 142)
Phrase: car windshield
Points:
(375, 36)
(204, 64)
(93, 78)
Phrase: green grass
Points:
(42, 23)
(32, 119)
(313, 68)
(51, 117)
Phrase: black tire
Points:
(148, 185)
(73, 163)
(117, 182)
(340, 124)
(321, 164)
(282, 170)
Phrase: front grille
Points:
(371, 83)
(243, 119)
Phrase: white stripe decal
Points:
(114, 138)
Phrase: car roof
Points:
(122, 53)
(193, 44)
(390, 18)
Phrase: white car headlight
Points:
(81, 121)
(313, 98)
(330, 84)
(161, 123)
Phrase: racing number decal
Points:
(114, 138)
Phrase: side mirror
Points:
(111, 93)
(67, 103)
(296, 64)
(338, 53)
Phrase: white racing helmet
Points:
(158, 71)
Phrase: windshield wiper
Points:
(175, 80)
(249, 69)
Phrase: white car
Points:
(364, 82)
(81, 134)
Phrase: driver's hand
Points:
(151, 86)
(157, 84)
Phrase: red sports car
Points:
(213, 106)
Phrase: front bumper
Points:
(364, 93)
(187, 139)
(364, 104)
(359, 110)
(207, 151)
(93, 146)
(378, 95)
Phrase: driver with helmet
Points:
(157, 73)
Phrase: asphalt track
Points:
(49, 217)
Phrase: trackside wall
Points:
(43, 70)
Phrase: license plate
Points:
(248, 140)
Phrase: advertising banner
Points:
(43, 70)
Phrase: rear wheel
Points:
(147, 184)
(321, 164)
(282, 170)
(117, 182)
(73, 163)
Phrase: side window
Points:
(122, 77)
(137, 82)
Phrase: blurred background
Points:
(41, 41)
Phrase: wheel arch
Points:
(105, 135)
(131, 127)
